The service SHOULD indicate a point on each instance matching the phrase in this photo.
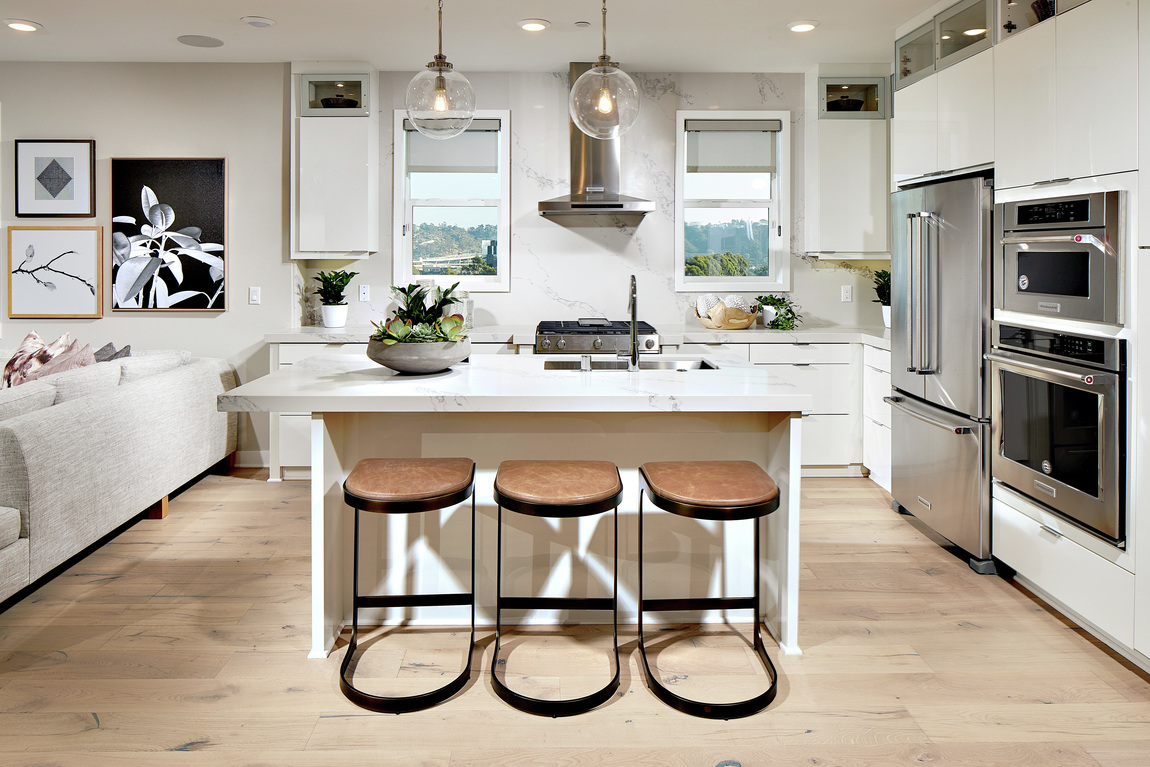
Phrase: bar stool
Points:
(715, 490)
(407, 486)
(560, 489)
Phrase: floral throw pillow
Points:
(31, 355)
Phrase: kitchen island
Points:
(505, 407)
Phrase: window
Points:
(452, 198)
(732, 180)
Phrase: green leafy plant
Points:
(331, 286)
(419, 318)
(787, 318)
(882, 286)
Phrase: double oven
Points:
(1058, 358)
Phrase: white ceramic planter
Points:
(334, 316)
(886, 316)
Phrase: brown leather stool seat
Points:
(556, 489)
(714, 490)
(407, 486)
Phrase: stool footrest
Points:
(414, 600)
(698, 603)
(556, 603)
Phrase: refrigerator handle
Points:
(926, 322)
(911, 293)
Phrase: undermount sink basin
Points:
(644, 364)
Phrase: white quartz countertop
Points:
(351, 383)
(670, 335)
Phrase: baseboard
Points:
(849, 470)
(252, 459)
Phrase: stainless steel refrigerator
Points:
(940, 329)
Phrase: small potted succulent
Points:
(333, 306)
(779, 312)
(420, 337)
(882, 290)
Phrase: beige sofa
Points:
(83, 451)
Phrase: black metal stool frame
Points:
(736, 709)
(570, 706)
(408, 703)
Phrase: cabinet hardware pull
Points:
(1051, 530)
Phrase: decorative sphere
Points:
(440, 103)
(604, 102)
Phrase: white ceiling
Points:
(479, 35)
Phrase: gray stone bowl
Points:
(418, 359)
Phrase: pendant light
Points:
(440, 101)
(604, 101)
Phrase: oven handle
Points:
(1087, 239)
(1014, 362)
(896, 402)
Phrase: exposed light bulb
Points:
(605, 103)
(440, 104)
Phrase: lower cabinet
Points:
(876, 415)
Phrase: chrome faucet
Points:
(632, 306)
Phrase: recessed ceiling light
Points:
(974, 32)
(258, 22)
(23, 25)
(805, 25)
(200, 41)
(533, 25)
(582, 23)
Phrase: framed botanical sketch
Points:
(169, 234)
(54, 271)
(55, 178)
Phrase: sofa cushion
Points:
(108, 352)
(75, 356)
(33, 353)
(85, 381)
(26, 399)
(9, 526)
(184, 355)
(149, 364)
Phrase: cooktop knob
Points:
(560, 344)
(597, 343)
(650, 343)
(545, 343)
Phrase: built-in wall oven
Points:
(1058, 423)
(1062, 257)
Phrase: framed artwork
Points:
(55, 179)
(169, 234)
(54, 271)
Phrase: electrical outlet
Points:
(365, 292)
(253, 296)
(845, 294)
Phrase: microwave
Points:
(1062, 257)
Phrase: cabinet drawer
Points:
(832, 388)
(292, 353)
(876, 358)
(742, 351)
(1097, 590)
(831, 440)
(876, 385)
(803, 353)
(876, 452)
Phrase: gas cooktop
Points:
(593, 335)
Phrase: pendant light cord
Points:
(441, 26)
(604, 27)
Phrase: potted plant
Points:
(332, 304)
(882, 290)
(779, 312)
(419, 337)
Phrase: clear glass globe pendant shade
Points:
(604, 102)
(440, 103)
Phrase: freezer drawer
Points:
(938, 472)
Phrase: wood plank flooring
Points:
(183, 642)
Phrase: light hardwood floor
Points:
(183, 642)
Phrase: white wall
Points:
(168, 110)
(562, 268)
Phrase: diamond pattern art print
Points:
(55, 179)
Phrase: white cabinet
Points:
(966, 112)
(1065, 96)
(831, 433)
(914, 131)
(876, 415)
(847, 202)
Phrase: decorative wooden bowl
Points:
(726, 318)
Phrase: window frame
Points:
(779, 254)
(402, 206)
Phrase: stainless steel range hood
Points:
(594, 175)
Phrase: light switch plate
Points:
(253, 296)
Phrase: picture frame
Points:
(55, 178)
(55, 272)
(169, 234)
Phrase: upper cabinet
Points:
(335, 162)
(962, 30)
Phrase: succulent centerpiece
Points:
(420, 338)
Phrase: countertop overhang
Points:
(351, 383)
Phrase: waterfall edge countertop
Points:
(350, 383)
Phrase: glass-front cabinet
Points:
(914, 55)
(962, 31)
(334, 95)
(1017, 15)
(852, 98)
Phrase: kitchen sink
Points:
(644, 364)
